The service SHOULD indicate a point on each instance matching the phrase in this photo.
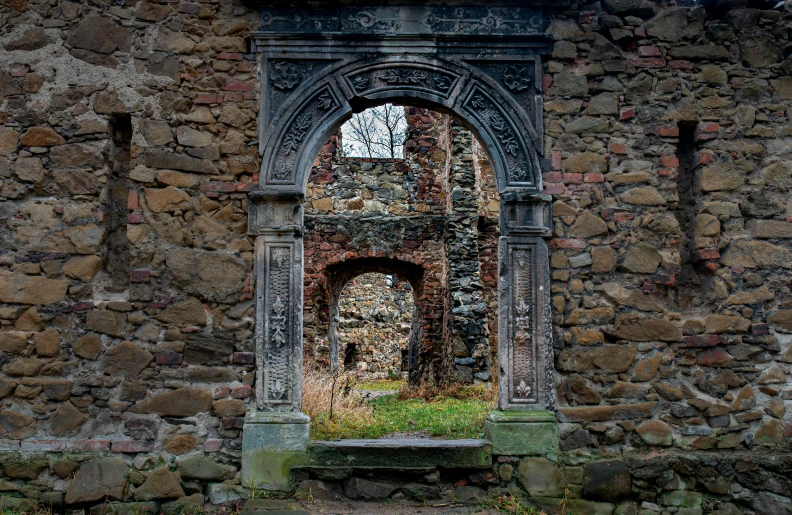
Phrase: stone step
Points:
(401, 453)
(272, 507)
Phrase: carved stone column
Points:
(526, 423)
(275, 436)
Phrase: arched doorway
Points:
(479, 64)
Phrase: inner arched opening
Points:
(409, 243)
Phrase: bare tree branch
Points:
(376, 132)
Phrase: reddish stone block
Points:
(627, 114)
(647, 62)
(703, 158)
(760, 329)
(649, 51)
(20, 71)
(623, 217)
(245, 186)
(235, 85)
(221, 393)
(708, 127)
(664, 279)
(230, 56)
(573, 178)
(133, 200)
(241, 392)
(552, 177)
(618, 148)
(139, 276)
(715, 357)
(135, 218)
(706, 254)
(680, 65)
(607, 214)
(669, 131)
(704, 340)
(233, 422)
(132, 446)
(244, 358)
(212, 445)
(593, 177)
(208, 98)
(788, 430)
(671, 173)
(168, 358)
(669, 161)
(568, 243)
(233, 97)
(556, 160)
(218, 187)
(554, 189)
(87, 445)
(640, 32)
(246, 66)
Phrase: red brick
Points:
(135, 218)
(593, 177)
(618, 148)
(218, 187)
(715, 357)
(235, 85)
(707, 127)
(705, 254)
(552, 177)
(19, 71)
(246, 66)
(139, 276)
(208, 98)
(704, 340)
(221, 393)
(241, 392)
(669, 161)
(554, 189)
(624, 217)
(573, 178)
(647, 62)
(669, 131)
(245, 358)
(233, 97)
(671, 173)
(640, 32)
(230, 56)
(556, 160)
(140, 424)
(704, 159)
(649, 51)
(627, 114)
(132, 446)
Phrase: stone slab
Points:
(271, 470)
(522, 433)
(276, 432)
(402, 453)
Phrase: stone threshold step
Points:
(272, 507)
(401, 453)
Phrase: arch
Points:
(295, 130)
(340, 274)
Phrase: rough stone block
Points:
(522, 433)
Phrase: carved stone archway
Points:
(480, 64)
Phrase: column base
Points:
(522, 433)
(273, 443)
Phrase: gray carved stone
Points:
(480, 62)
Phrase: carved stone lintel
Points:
(275, 214)
(525, 349)
(526, 214)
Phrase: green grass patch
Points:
(381, 386)
(443, 417)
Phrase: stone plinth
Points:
(273, 443)
(522, 433)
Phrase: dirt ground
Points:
(369, 508)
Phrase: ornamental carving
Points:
(285, 75)
(402, 76)
(496, 122)
(277, 355)
(523, 355)
(281, 172)
(517, 77)
(297, 133)
(360, 83)
(325, 101)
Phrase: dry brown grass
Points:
(346, 404)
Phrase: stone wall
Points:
(128, 142)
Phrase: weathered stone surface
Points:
(640, 328)
(603, 50)
(83, 268)
(540, 477)
(8, 86)
(76, 155)
(603, 259)
(585, 162)
(604, 103)
(190, 311)
(356, 488)
(229, 408)
(602, 413)
(193, 138)
(47, 343)
(98, 34)
(765, 229)
(719, 177)
(210, 275)
(156, 132)
(88, 346)
(587, 124)
(167, 199)
(13, 342)
(569, 85)
(606, 481)
(588, 225)
(16, 426)
(31, 39)
(201, 467)
(160, 484)
(655, 432)
(184, 402)
(100, 479)
(643, 196)
(189, 504)
(29, 169)
(9, 140)
(66, 420)
(42, 136)
(181, 444)
(701, 52)
(126, 359)
(169, 160)
(642, 258)
(756, 254)
(26, 289)
(106, 322)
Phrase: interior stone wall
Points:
(667, 149)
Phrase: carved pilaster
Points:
(277, 220)
(525, 348)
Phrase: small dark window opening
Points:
(689, 279)
(350, 356)
(117, 255)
